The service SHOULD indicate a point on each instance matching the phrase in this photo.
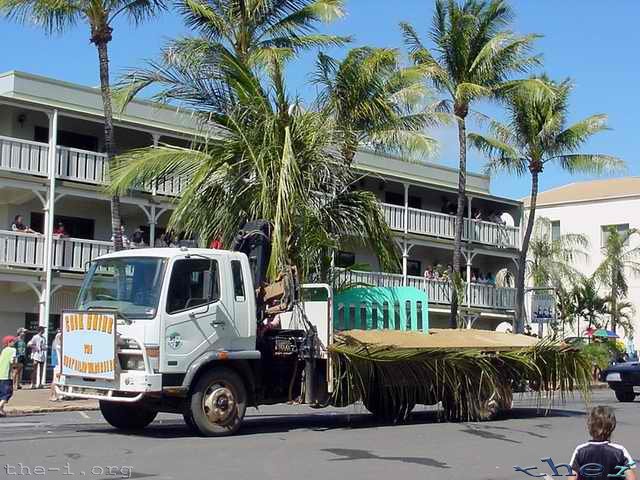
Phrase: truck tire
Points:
(625, 395)
(389, 411)
(125, 416)
(217, 403)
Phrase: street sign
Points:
(543, 308)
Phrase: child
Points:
(600, 459)
(7, 359)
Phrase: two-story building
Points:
(48, 123)
(590, 208)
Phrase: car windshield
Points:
(130, 285)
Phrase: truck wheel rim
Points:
(219, 404)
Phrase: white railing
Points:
(431, 223)
(82, 166)
(72, 254)
(23, 156)
(394, 215)
(438, 291)
(21, 249)
(26, 250)
(441, 225)
(490, 233)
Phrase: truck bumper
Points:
(128, 387)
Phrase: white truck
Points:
(184, 330)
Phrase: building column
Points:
(152, 227)
(48, 230)
(156, 141)
(406, 208)
(470, 226)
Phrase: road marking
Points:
(84, 415)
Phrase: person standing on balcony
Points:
(137, 238)
(428, 273)
(21, 358)
(125, 240)
(38, 347)
(60, 230)
(19, 226)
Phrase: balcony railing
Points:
(438, 292)
(26, 250)
(441, 225)
(24, 156)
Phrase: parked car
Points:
(624, 379)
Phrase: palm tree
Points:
(375, 101)
(270, 159)
(588, 303)
(619, 260)
(474, 54)
(536, 136)
(99, 16)
(624, 316)
(257, 32)
(550, 262)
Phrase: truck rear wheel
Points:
(217, 403)
(389, 411)
(125, 416)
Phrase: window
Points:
(555, 230)
(622, 229)
(67, 139)
(74, 227)
(345, 259)
(238, 281)
(398, 199)
(414, 268)
(194, 282)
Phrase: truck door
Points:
(196, 319)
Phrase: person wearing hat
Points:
(21, 358)
(7, 359)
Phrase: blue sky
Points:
(593, 42)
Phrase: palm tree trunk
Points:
(522, 259)
(457, 242)
(614, 303)
(109, 140)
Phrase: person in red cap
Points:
(7, 359)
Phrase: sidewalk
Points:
(26, 401)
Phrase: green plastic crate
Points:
(378, 308)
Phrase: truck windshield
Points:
(129, 285)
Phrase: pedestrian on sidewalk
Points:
(7, 360)
(56, 365)
(21, 358)
(38, 347)
(599, 459)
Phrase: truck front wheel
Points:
(124, 416)
(217, 403)
(625, 395)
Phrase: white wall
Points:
(587, 219)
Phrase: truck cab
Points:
(186, 339)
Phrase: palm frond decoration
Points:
(464, 380)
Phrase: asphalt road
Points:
(295, 442)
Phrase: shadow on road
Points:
(326, 421)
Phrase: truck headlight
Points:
(614, 377)
(132, 362)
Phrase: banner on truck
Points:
(89, 344)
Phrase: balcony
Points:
(24, 250)
(441, 225)
(24, 156)
(438, 292)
